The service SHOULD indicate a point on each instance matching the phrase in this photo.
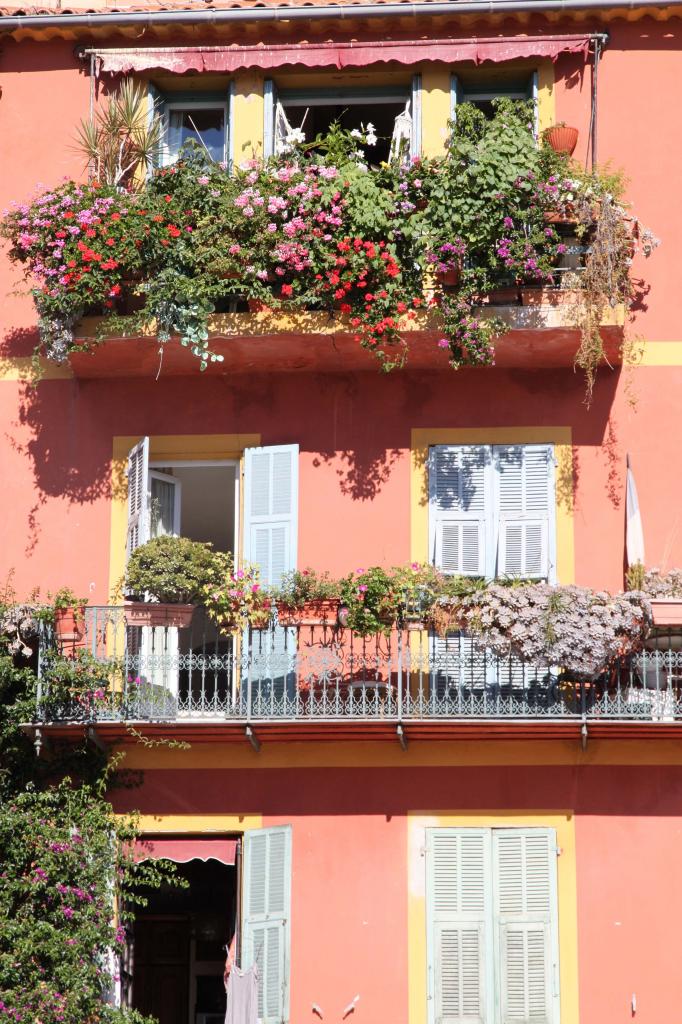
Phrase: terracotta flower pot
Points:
(449, 278)
(155, 614)
(312, 613)
(69, 626)
(501, 297)
(562, 139)
(547, 296)
(667, 611)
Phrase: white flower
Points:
(355, 133)
(296, 135)
(371, 139)
(370, 128)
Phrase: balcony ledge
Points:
(540, 337)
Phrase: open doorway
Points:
(178, 946)
(198, 500)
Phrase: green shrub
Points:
(172, 570)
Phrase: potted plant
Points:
(306, 598)
(664, 590)
(69, 618)
(418, 586)
(371, 600)
(562, 138)
(165, 579)
(236, 599)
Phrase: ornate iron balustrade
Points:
(325, 673)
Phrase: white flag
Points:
(634, 535)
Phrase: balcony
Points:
(322, 680)
(539, 337)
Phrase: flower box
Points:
(666, 611)
(501, 297)
(547, 296)
(311, 613)
(155, 614)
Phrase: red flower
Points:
(116, 216)
(168, 199)
(158, 217)
(60, 234)
(90, 233)
(287, 289)
(110, 241)
(401, 307)
(69, 215)
(345, 307)
(116, 290)
(339, 293)
(173, 231)
(369, 297)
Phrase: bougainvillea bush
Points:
(68, 886)
(317, 228)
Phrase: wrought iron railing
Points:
(116, 672)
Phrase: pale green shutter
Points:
(460, 508)
(266, 918)
(525, 916)
(458, 926)
(138, 511)
(526, 513)
(271, 510)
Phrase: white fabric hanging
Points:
(242, 996)
(634, 534)
(401, 139)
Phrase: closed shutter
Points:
(416, 111)
(525, 502)
(460, 511)
(271, 510)
(266, 918)
(138, 511)
(524, 864)
(458, 913)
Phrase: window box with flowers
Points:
(306, 598)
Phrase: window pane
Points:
(205, 125)
(162, 507)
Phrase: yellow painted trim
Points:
(546, 103)
(563, 822)
(435, 109)
(661, 353)
(20, 368)
(560, 437)
(175, 448)
(197, 823)
(239, 756)
(248, 118)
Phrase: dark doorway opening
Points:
(178, 947)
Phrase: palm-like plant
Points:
(122, 139)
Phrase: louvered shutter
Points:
(229, 129)
(138, 512)
(525, 921)
(460, 510)
(525, 504)
(416, 112)
(271, 510)
(458, 915)
(155, 110)
(269, 104)
(266, 918)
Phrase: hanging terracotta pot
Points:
(562, 138)
(157, 614)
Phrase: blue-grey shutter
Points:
(266, 936)
(526, 511)
(416, 112)
(460, 508)
(269, 102)
(138, 497)
(459, 940)
(525, 923)
(271, 510)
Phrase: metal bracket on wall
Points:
(252, 738)
(402, 738)
(91, 735)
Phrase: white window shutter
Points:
(460, 508)
(455, 96)
(269, 103)
(138, 496)
(416, 111)
(525, 916)
(458, 930)
(271, 510)
(525, 503)
(229, 132)
(155, 109)
(533, 94)
(266, 918)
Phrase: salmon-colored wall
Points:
(350, 872)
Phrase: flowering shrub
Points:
(237, 600)
(303, 586)
(655, 583)
(581, 630)
(68, 886)
(372, 599)
(317, 228)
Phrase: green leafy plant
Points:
(235, 599)
(372, 599)
(303, 586)
(172, 570)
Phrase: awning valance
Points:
(181, 849)
(353, 53)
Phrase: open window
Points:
(202, 117)
(237, 898)
(394, 112)
(482, 89)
